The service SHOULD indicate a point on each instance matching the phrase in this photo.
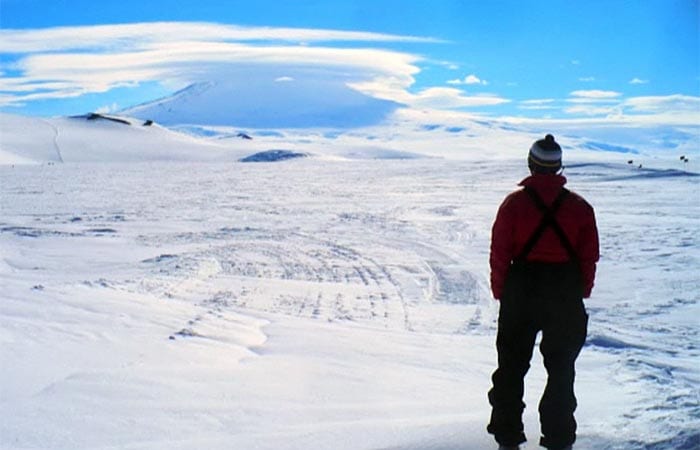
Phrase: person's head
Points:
(545, 156)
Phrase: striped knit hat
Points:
(545, 156)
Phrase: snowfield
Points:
(330, 302)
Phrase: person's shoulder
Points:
(579, 200)
(516, 193)
(514, 198)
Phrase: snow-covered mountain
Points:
(287, 103)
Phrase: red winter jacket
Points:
(517, 219)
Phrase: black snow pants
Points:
(537, 297)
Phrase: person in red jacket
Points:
(544, 251)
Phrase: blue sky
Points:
(536, 59)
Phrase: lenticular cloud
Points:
(110, 56)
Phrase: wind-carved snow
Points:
(321, 304)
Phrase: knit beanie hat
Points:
(545, 156)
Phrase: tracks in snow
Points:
(56, 134)
(379, 283)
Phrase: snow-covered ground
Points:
(323, 304)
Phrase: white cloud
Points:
(283, 79)
(587, 79)
(135, 35)
(447, 65)
(671, 109)
(638, 81)
(169, 57)
(450, 98)
(434, 98)
(21, 100)
(469, 79)
(473, 79)
(538, 101)
(107, 109)
(538, 104)
(20, 85)
(674, 110)
(596, 94)
(664, 104)
(593, 110)
(592, 100)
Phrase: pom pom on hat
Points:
(545, 156)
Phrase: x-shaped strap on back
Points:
(548, 220)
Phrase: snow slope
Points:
(321, 304)
(79, 139)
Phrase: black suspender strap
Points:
(548, 220)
